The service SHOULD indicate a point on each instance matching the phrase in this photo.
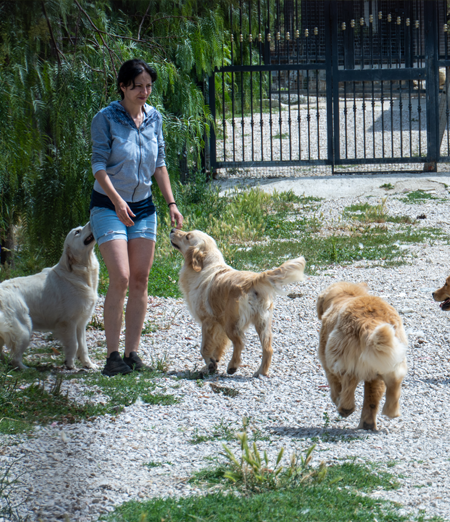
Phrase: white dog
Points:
(59, 299)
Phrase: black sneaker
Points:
(115, 366)
(135, 362)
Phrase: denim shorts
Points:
(106, 226)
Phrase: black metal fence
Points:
(319, 82)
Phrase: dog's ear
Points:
(68, 259)
(194, 257)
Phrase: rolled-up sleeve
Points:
(161, 159)
(101, 142)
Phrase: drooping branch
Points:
(142, 21)
(58, 51)
(99, 32)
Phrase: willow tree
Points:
(58, 65)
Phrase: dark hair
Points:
(129, 70)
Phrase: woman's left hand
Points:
(175, 216)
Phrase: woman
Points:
(127, 151)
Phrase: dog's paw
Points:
(258, 375)
(391, 412)
(89, 364)
(344, 412)
(231, 371)
(70, 365)
(212, 366)
(17, 365)
(364, 425)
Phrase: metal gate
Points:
(319, 82)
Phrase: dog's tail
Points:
(288, 272)
(384, 351)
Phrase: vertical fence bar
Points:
(399, 64)
(250, 49)
(316, 42)
(432, 90)
(233, 106)
(330, 25)
(241, 49)
(260, 44)
(335, 64)
(212, 106)
(361, 28)
(299, 114)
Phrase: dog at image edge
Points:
(362, 339)
(226, 301)
(59, 299)
(443, 296)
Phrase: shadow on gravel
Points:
(435, 380)
(195, 375)
(323, 434)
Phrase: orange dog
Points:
(443, 295)
(361, 339)
(226, 301)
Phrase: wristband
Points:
(173, 203)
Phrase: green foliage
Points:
(29, 397)
(367, 213)
(417, 196)
(252, 473)
(23, 403)
(342, 494)
(58, 67)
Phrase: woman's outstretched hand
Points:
(175, 216)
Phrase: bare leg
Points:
(115, 255)
(393, 389)
(140, 255)
(347, 396)
(264, 328)
(373, 392)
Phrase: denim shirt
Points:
(128, 154)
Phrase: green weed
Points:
(374, 213)
(387, 186)
(417, 196)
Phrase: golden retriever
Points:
(59, 299)
(226, 301)
(362, 339)
(443, 295)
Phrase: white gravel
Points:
(86, 469)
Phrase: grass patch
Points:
(338, 493)
(418, 197)
(24, 404)
(367, 213)
(153, 464)
(28, 398)
(387, 186)
(372, 244)
(225, 431)
(124, 390)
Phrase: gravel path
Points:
(84, 470)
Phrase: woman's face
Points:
(138, 94)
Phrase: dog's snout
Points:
(432, 295)
(173, 230)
